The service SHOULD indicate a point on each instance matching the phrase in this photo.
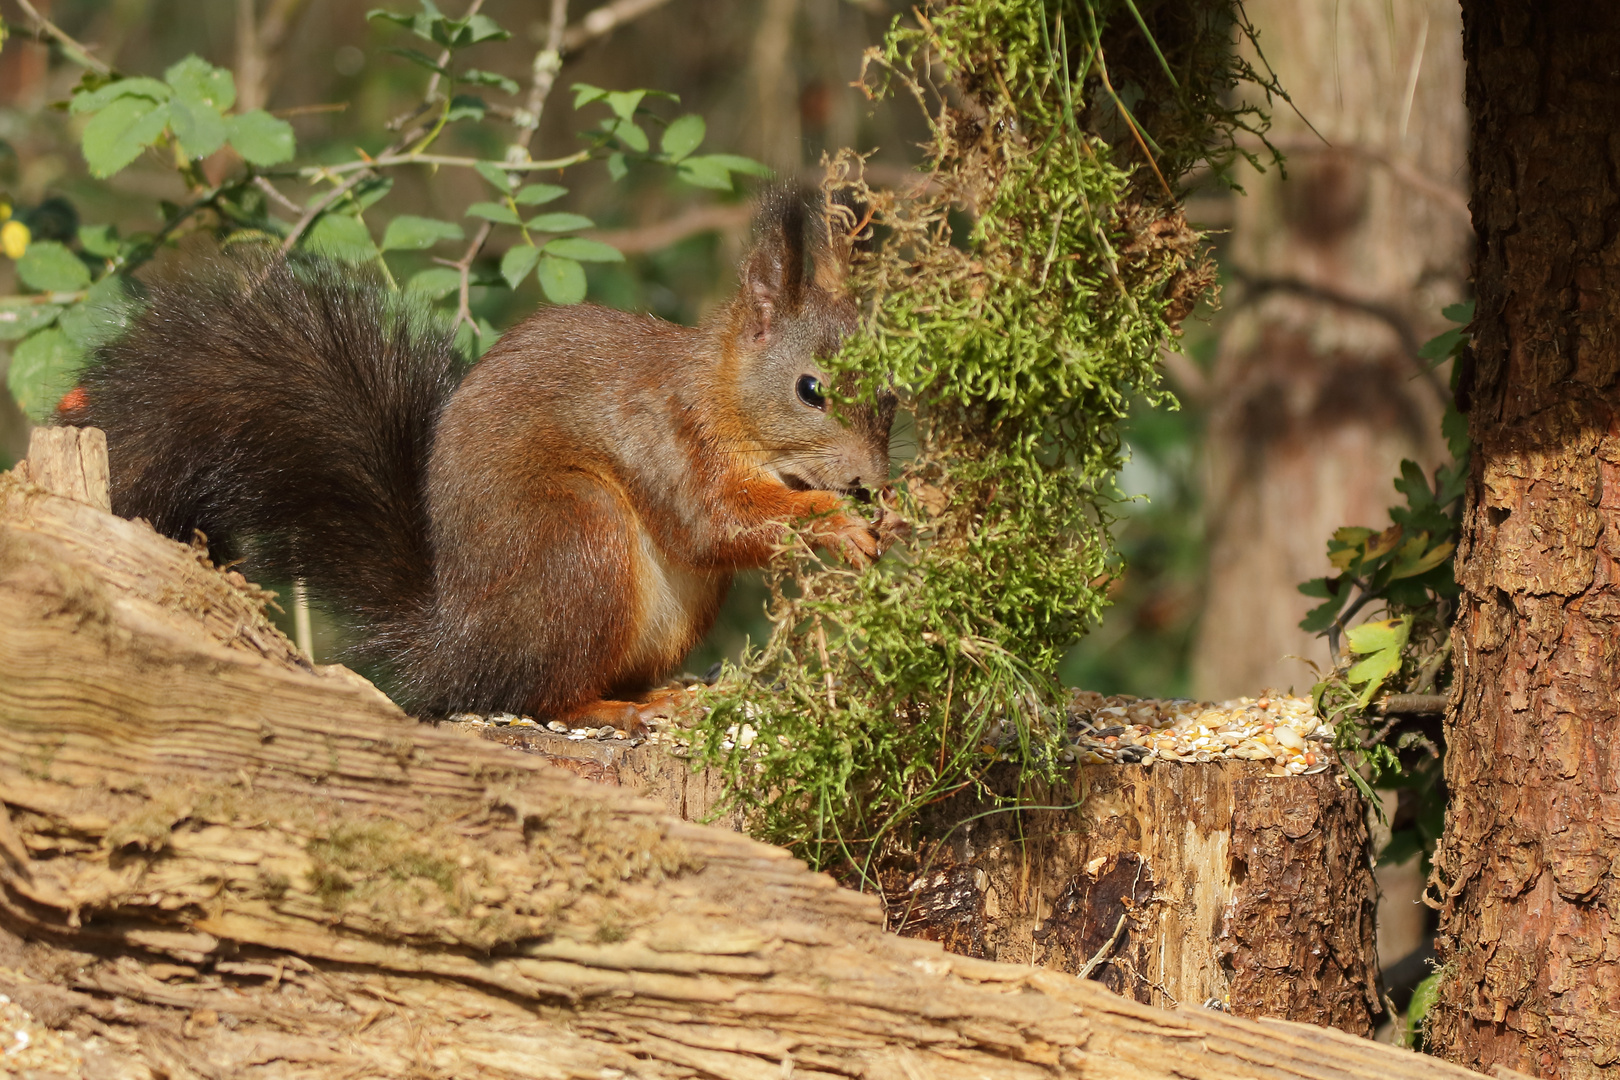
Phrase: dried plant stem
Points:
(604, 20)
(77, 52)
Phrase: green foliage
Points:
(190, 115)
(1417, 1012)
(1018, 305)
(1406, 572)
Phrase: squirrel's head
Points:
(792, 313)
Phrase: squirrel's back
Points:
(286, 410)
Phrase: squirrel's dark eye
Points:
(809, 390)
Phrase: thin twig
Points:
(390, 158)
(276, 196)
(605, 20)
(464, 266)
(74, 49)
(700, 219)
(1101, 954)
(547, 65)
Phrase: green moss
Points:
(1017, 342)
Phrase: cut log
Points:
(215, 861)
(1173, 883)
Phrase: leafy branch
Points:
(190, 115)
(1405, 573)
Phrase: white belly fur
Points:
(672, 600)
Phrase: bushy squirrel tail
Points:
(286, 410)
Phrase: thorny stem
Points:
(75, 51)
(369, 166)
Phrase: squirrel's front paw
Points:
(854, 540)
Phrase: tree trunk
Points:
(1338, 274)
(216, 861)
(1530, 928)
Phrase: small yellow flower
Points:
(14, 237)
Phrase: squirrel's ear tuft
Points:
(773, 272)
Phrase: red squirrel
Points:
(549, 534)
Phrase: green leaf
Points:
(50, 267)
(517, 262)
(1454, 426)
(1372, 637)
(420, 59)
(100, 317)
(197, 82)
(473, 346)
(463, 106)
(198, 125)
(562, 280)
(488, 78)
(539, 194)
(1442, 347)
(738, 163)
(585, 94)
(1321, 617)
(1317, 587)
(483, 28)
(631, 135)
(411, 233)
(625, 102)
(559, 222)
(1459, 313)
(437, 283)
(369, 191)
(617, 169)
(1423, 562)
(43, 369)
(100, 240)
(705, 172)
(341, 237)
(19, 320)
(578, 247)
(502, 180)
(117, 134)
(683, 136)
(1423, 999)
(96, 100)
(262, 139)
(496, 212)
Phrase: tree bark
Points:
(1530, 927)
(218, 861)
(1338, 274)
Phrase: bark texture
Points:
(1530, 928)
(216, 861)
(1202, 884)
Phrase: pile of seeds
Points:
(1277, 729)
(1274, 728)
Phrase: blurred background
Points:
(1299, 394)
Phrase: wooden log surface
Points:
(216, 861)
(1226, 887)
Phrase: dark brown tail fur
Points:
(286, 410)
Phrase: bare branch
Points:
(656, 237)
(76, 52)
(257, 43)
(547, 64)
(276, 196)
(464, 266)
(605, 20)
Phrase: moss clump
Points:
(1018, 303)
